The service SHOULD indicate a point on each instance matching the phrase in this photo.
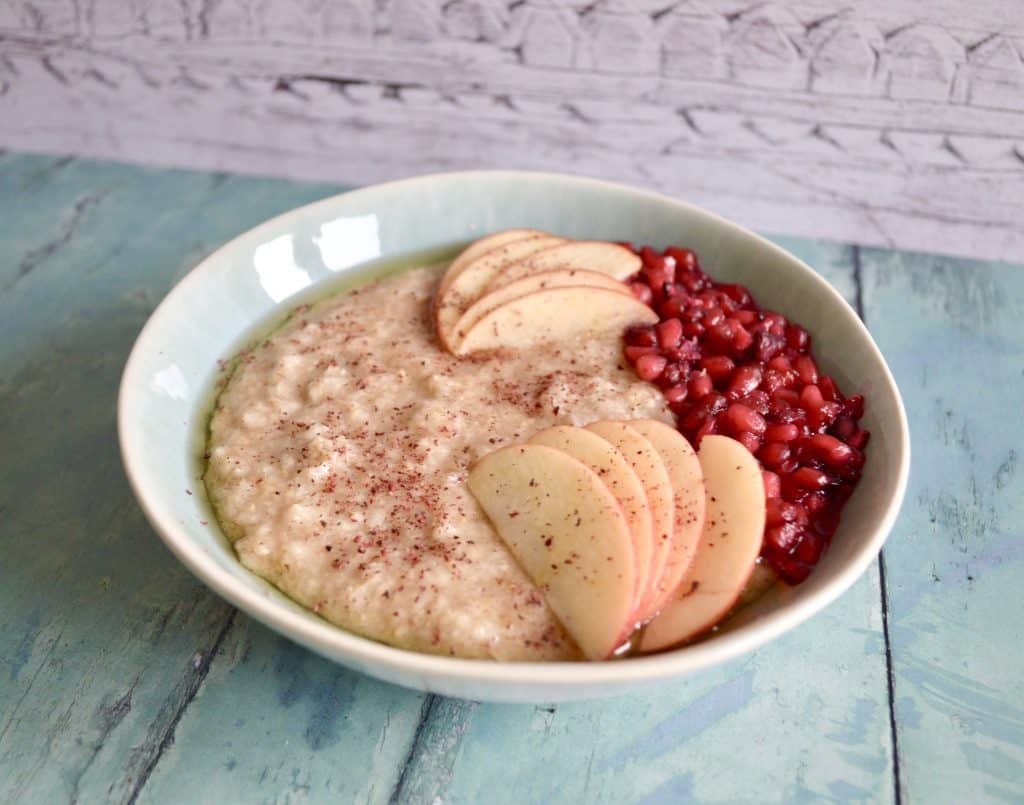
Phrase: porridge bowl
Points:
(223, 315)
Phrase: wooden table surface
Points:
(122, 678)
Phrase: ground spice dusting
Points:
(366, 463)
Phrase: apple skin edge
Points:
(649, 467)
(689, 500)
(613, 469)
(555, 314)
(727, 554)
(568, 533)
(467, 285)
(560, 278)
(480, 247)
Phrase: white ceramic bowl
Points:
(164, 398)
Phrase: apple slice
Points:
(598, 256)
(728, 549)
(689, 503)
(479, 247)
(555, 314)
(568, 532)
(565, 278)
(601, 457)
(468, 284)
(650, 469)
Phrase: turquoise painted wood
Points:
(122, 679)
(953, 332)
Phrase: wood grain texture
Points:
(274, 721)
(898, 124)
(952, 333)
(105, 638)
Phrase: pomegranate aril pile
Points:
(726, 366)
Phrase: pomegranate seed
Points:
(827, 522)
(772, 484)
(815, 502)
(648, 367)
(767, 346)
(798, 338)
(642, 291)
(859, 440)
(806, 369)
(830, 450)
(659, 280)
(785, 432)
(686, 260)
(783, 538)
(781, 364)
(854, 406)
(726, 302)
(741, 338)
(788, 466)
(746, 317)
(744, 380)
(691, 422)
(758, 400)
(740, 295)
(674, 374)
(713, 316)
(641, 335)
(692, 282)
(749, 440)
(810, 548)
(718, 339)
(674, 394)
(700, 385)
(633, 354)
(810, 398)
(741, 418)
(669, 333)
(773, 454)
(794, 513)
(775, 380)
(824, 416)
(844, 427)
(773, 510)
(650, 257)
(810, 478)
(706, 429)
(673, 307)
(685, 350)
(784, 407)
(792, 570)
(693, 329)
(718, 367)
(715, 403)
(829, 390)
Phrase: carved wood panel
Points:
(896, 123)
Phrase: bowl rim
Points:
(342, 645)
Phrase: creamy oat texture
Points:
(338, 457)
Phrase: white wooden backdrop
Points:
(888, 122)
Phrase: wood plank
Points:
(803, 719)
(888, 123)
(105, 639)
(951, 330)
(274, 720)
